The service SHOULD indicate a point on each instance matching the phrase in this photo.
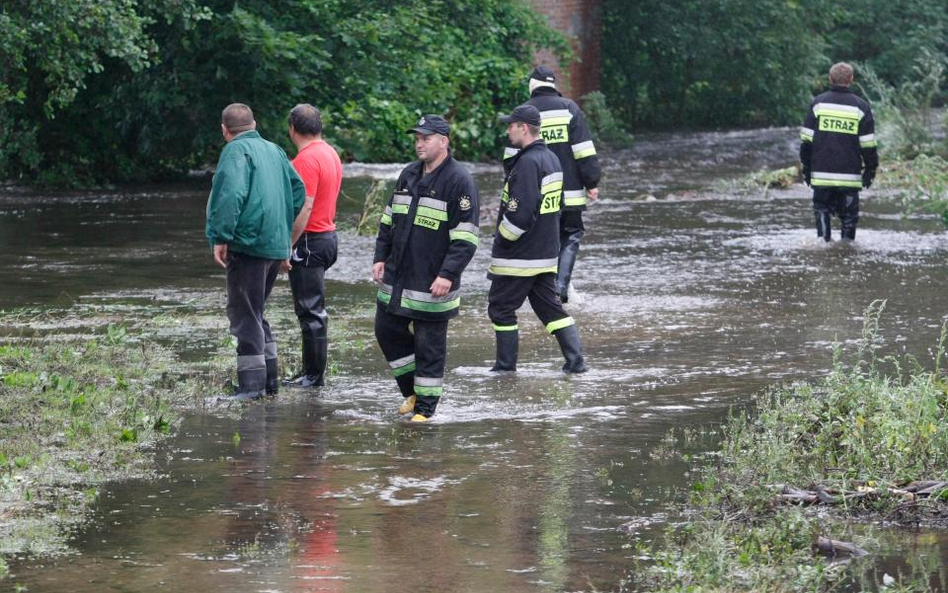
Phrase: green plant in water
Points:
(375, 201)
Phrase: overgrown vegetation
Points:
(858, 437)
(115, 90)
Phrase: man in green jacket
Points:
(254, 200)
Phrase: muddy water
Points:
(688, 303)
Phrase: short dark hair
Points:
(306, 120)
(534, 130)
(237, 118)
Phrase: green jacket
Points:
(254, 199)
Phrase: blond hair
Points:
(841, 74)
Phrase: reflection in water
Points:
(690, 303)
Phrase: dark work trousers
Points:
(416, 359)
(508, 292)
(249, 282)
(313, 254)
(839, 201)
(571, 232)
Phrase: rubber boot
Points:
(508, 343)
(824, 226)
(273, 376)
(848, 233)
(425, 406)
(572, 349)
(408, 406)
(251, 384)
(314, 363)
(565, 268)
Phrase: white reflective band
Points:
(838, 107)
(433, 203)
(386, 288)
(574, 193)
(806, 131)
(425, 297)
(523, 263)
(551, 178)
(555, 113)
(510, 151)
(400, 362)
(467, 226)
(401, 199)
(511, 227)
(840, 176)
(583, 146)
(388, 210)
(867, 138)
(429, 381)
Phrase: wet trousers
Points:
(416, 359)
(571, 232)
(249, 282)
(507, 294)
(840, 201)
(313, 254)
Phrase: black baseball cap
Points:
(543, 73)
(525, 113)
(432, 124)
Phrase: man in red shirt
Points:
(313, 239)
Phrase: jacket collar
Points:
(840, 89)
(545, 91)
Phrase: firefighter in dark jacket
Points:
(838, 152)
(427, 236)
(526, 247)
(566, 134)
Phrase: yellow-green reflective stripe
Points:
(575, 201)
(428, 391)
(386, 219)
(838, 113)
(559, 324)
(384, 297)
(868, 144)
(584, 153)
(399, 208)
(835, 183)
(505, 328)
(432, 213)
(404, 369)
(431, 307)
(555, 121)
(505, 271)
(806, 138)
(463, 236)
(551, 187)
(506, 234)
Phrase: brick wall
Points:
(581, 20)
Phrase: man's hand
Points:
(867, 177)
(378, 270)
(286, 266)
(440, 287)
(220, 254)
(593, 194)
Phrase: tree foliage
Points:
(711, 63)
(130, 90)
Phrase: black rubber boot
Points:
(508, 343)
(314, 364)
(824, 226)
(251, 384)
(849, 233)
(572, 349)
(564, 268)
(273, 376)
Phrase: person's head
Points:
(431, 138)
(236, 119)
(841, 74)
(540, 77)
(523, 125)
(305, 122)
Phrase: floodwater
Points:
(691, 298)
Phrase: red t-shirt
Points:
(321, 171)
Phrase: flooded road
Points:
(687, 303)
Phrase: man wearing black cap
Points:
(564, 129)
(427, 236)
(526, 245)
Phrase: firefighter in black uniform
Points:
(564, 130)
(526, 247)
(427, 236)
(838, 152)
